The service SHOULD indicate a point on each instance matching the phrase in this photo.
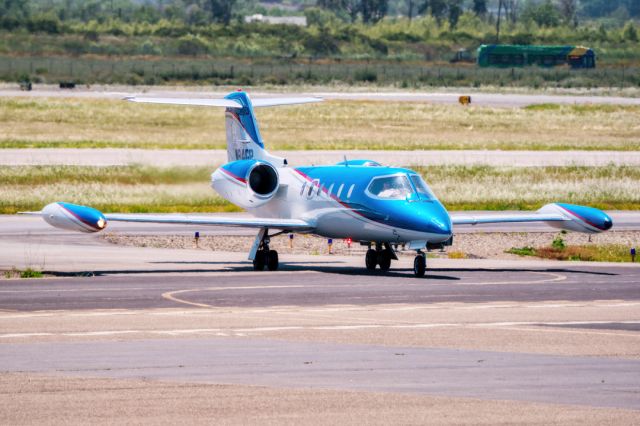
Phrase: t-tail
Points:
(244, 141)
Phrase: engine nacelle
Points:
(579, 218)
(73, 217)
(246, 183)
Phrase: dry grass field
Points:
(92, 123)
(183, 189)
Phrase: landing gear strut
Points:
(419, 264)
(263, 255)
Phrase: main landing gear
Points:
(263, 255)
(383, 254)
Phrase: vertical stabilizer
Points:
(243, 134)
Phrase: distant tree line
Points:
(355, 29)
(36, 14)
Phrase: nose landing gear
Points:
(420, 264)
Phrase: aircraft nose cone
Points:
(607, 223)
(441, 224)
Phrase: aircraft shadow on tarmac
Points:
(556, 270)
(324, 267)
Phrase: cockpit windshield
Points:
(422, 187)
(390, 187)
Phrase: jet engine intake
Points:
(247, 183)
(263, 179)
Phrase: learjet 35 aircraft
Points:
(381, 207)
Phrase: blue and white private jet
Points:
(381, 207)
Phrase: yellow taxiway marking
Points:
(170, 295)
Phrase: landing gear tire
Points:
(371, 259)
(272, 260)
(384, 260)
(419, 266)
(259, 261)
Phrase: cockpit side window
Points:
(422, 187)
(390, 187)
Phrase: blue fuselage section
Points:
(415, 216)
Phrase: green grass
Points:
(331, 125)
(143, 189)
(30, 273)
(26, 273)
(589, 253)
(127, 175)
(522, 251)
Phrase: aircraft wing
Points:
(246, 222)
(463, 219)
(74, 217)
(559, 215)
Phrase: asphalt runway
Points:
(325, 285)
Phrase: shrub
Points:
(44, 24)
(366, 75)
(558, 243)
(629, 32)
(190, 45)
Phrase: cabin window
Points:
(319, 189)
(330, 189)
(340, 190)
(390, 187)
(350, 191)
(304, 185)
(312, 186)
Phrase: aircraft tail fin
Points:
(243, 134)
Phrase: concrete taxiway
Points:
(477, 98)
(215, 157)
(166, 336)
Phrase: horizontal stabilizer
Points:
(267, 102)
(227, 103)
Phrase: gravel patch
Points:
(489, 245)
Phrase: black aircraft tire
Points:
(258, 262)
(384, 260)
(272, 260)
(371, 259)
(419, 266)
